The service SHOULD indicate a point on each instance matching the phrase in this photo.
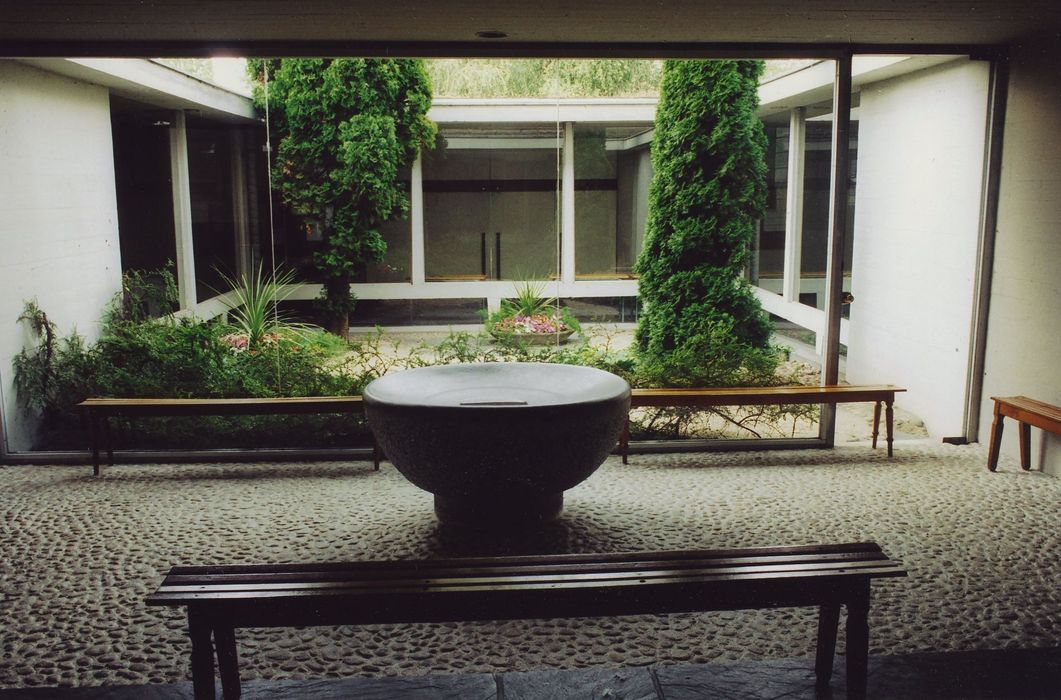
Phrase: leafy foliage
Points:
(254, 310)
(345, 127)
(463, 77)
(701, 322)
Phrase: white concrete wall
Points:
(1025, 313)
(58, 215)
(921, 150)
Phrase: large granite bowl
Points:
(497, 442)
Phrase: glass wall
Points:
(768, 259)
(397, 265)
(817, 165)
(213, 226)
(613, 169)
(491, 203)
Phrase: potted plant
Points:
(531, 318)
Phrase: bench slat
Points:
(407, 571)
(245, 406)
(756, 396)
(425, 590)
(503, 580)
(589, 558)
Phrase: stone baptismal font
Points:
(497, 443)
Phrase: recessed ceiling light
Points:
(491, 34)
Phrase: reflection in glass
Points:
(491, 204)
(613, 169)
(817, 168)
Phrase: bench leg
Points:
(1025, 446)
(624, 441)
(889, 422)
(93, 428)
(858, 644)
(828, 620)
(227, 661)
(876, 422)
(376, 453)
(202, 656)
(109, 440)
(996, 440)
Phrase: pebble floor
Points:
(78, 554)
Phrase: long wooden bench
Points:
(768, 396)
(97, 412)
(1027, 412)
(222, 599)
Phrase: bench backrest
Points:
(572, 585)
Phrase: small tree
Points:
(345, 127)
(707, 193)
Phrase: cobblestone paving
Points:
(78, 554)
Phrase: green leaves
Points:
(345, 127)
(708, 191)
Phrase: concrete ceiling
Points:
(441, 27)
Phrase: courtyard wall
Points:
(921, 155)
(58, 214)
(1025, 312)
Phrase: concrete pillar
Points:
(567, 207)
(416, 221)
(797, 149)
(240, 210)
(182, 210)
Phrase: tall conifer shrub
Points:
(345, 127)
(701, 322)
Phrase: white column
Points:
(797, 147)
(416, 221)
(182, 210)
(240, 211)
(567, 208)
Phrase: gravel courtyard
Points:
(78, 554)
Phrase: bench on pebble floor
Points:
(97, 412)
(222, 599)
(768, 396)
(1027, 412)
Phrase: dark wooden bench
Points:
(768, 396)
(1027, 412)
(221, 599)
(96, 413)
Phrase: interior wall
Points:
(58, 214)
(921, 149)
(1025, 314)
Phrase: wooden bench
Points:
(96, 413)
(221, 599)
(768, 396)
(1027, 412)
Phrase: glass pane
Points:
(213, 227)
(142, 185)
(768, 259)
(818, 166)
(396, 265)
(491, 204)
(613, 169)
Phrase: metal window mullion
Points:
(998, 87)
(834, 276)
